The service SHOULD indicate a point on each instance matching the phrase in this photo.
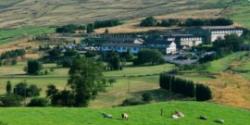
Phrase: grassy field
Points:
(138, 115)
(228, 77)
(144, 79)
(240, 13)
(9, 35)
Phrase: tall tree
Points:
(33, 67)
(85, 80)
(8, 87)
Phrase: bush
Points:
(107, 23)
(149, 21)
(38, 102)
(203, 93)
(23, 90)
(10, 100)
(132, 101)
(147, 97)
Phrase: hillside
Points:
(138, 115)
(55, 12)
(228, 77)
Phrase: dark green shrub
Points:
(132, 101)
(38, 102)
(10, 100)
(203, 93)
(147, 97)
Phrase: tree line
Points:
(89, 28)
(151, 21)
(185, 87)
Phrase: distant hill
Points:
(56, 12)
(138, 115)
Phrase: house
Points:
(171, 49)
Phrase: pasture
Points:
(138, 115)
(140, 79)
(14, 34)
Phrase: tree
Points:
(8, 87)
(111, 81)
(149, 56)
(149, 21)
(23, 90)
(38, 102)
(10, 100)
(90, 28)
(231, 43)
(203, 93)
(51, 90)
(85, 80)
(63, 98)
(114, 61)
(33, 67)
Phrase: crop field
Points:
(138, 115)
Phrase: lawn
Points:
(9, 35)
(138, 115)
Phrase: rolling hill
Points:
(56, 12)
(138, 115)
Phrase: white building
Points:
(221, 33)
(190, 41)
(171, 49)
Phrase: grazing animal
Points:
(177, 115)
(125, 116)
(105, 115)
(219, 121)
(203, 117)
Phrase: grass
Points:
(144, 78)
(229, 78)
(138, 115)
(9, 35)
(240, 13)
(55, 13)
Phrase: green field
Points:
(240, 12)
(138, 115)
(8, 35)
(141, 79)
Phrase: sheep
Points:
(124, 116)
(105, 115)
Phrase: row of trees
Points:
(13, 54)
(151, 21)
(18, 94)
(72, 28)
(185, 87)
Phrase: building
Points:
(133, 46)
(221, 32)
(190, 41)
(171, 49)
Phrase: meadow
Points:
(138, 115)
(140, 79)
(13, 34)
